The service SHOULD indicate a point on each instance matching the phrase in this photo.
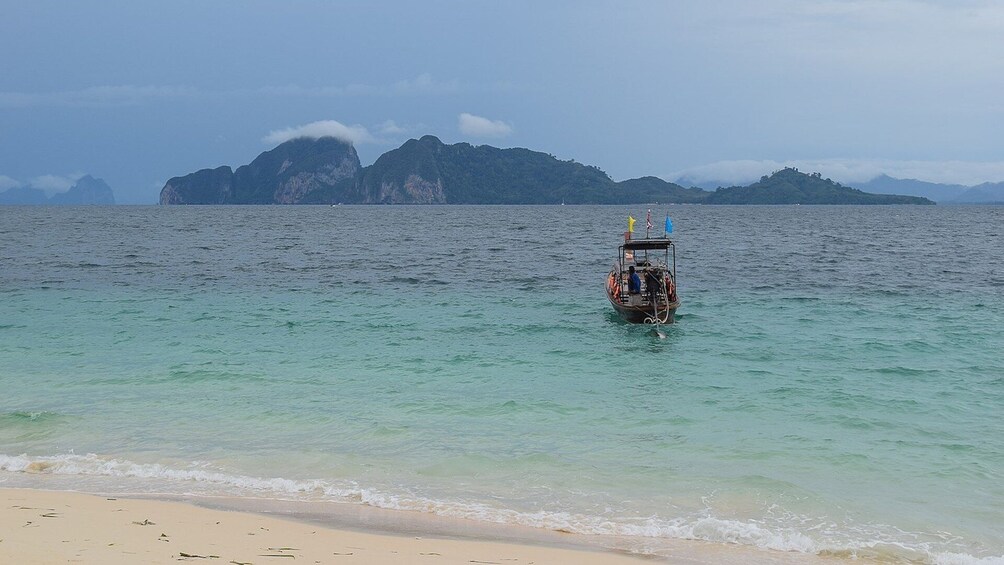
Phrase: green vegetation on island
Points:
(427, 171)
(789, 186)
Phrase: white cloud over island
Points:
(325, 128)
(478, 126)
(55, 183)
(390, 127)
(50, 183)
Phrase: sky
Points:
(137, 92)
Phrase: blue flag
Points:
(669, 225)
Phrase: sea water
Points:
(834, 384)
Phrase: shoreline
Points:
(39, 526)
(46, 526)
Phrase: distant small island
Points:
(789, 186)
(327, 170)
(86, 191)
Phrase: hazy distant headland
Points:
(86, 191)
(427, 171)
(986, 193)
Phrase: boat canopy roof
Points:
(661, 243)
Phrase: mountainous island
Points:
(327, 170)
(86, 191)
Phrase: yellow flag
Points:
(630, 224)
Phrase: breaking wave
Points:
(200, 478)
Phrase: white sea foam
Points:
(965, 559)
(92, 465)
(206, 480)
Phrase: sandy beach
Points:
(64, 527)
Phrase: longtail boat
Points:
(654, 299)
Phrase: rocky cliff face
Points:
(208, 186)
(299, 187)
(299, 171)
(423, 191)
(414, 190)
(406, 175)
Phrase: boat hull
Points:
(643, 314)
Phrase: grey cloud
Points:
(96, 96)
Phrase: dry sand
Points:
(64, 527)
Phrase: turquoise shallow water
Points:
(834, 384)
